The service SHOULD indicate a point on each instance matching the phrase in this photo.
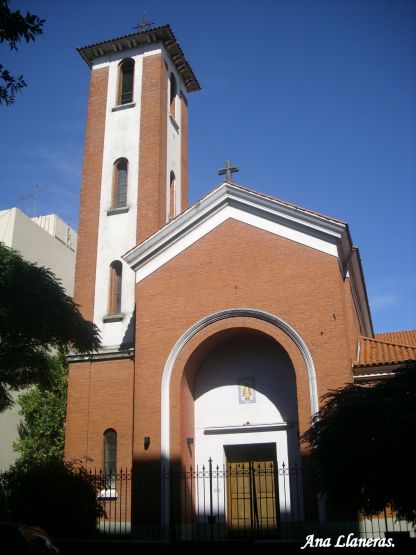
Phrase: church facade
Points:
(223, 323)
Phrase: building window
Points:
(126, 80)
(173, 91)
(119, 199)
(172, 195)
(114, 301)
(110, 461)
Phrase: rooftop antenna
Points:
(144, 24)
(33, 195)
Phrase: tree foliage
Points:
(60, 497)
(36, 317)
(361, 443)
(42, 430)
(15, 27)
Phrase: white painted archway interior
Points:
(226, 413)
(245, 394)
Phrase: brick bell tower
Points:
(134, 181)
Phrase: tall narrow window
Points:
(172, 195)
(110, 454)
(126, 80)
(114, 301)
(173, 91)
(120, 183)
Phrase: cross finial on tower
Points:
(228, 171)
(144, 24)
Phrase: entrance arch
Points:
(191, 349)
(227, 319)
(245, 425)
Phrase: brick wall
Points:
(237, 266)
(151, 212)
(90, 194)
(100, 396)
(355, 330)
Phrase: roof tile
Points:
(374, 352)
(400, 337)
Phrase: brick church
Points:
(224, 322)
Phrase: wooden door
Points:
(252, 498)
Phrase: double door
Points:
(252, 498)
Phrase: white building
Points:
(47, 241)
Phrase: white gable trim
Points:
(224, 213)
(274, 216)
(229, 201)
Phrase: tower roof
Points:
(162, 34)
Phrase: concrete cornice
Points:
(226, 194)
(359, 292)
(371, 373)
(163, 34)
(244, 428)
(105, 354)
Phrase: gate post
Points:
(211, 518)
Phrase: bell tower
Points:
(134, 181)
(135, 172)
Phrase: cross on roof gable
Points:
(272, 215)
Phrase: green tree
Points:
(61, 497)
(37, 318)
(361, 446)
(42, 431)
(14, 27)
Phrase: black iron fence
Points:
(233, 501)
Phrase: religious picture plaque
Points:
(246, 391)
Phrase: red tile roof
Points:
(398, 337)
(375, 352)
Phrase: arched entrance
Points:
(221, 399)
(245, 424)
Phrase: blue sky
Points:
(314, 100)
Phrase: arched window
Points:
(173, 91)
(172, 195)
(114, 298)
(110, 452)
(126, 80)
(120, 183)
